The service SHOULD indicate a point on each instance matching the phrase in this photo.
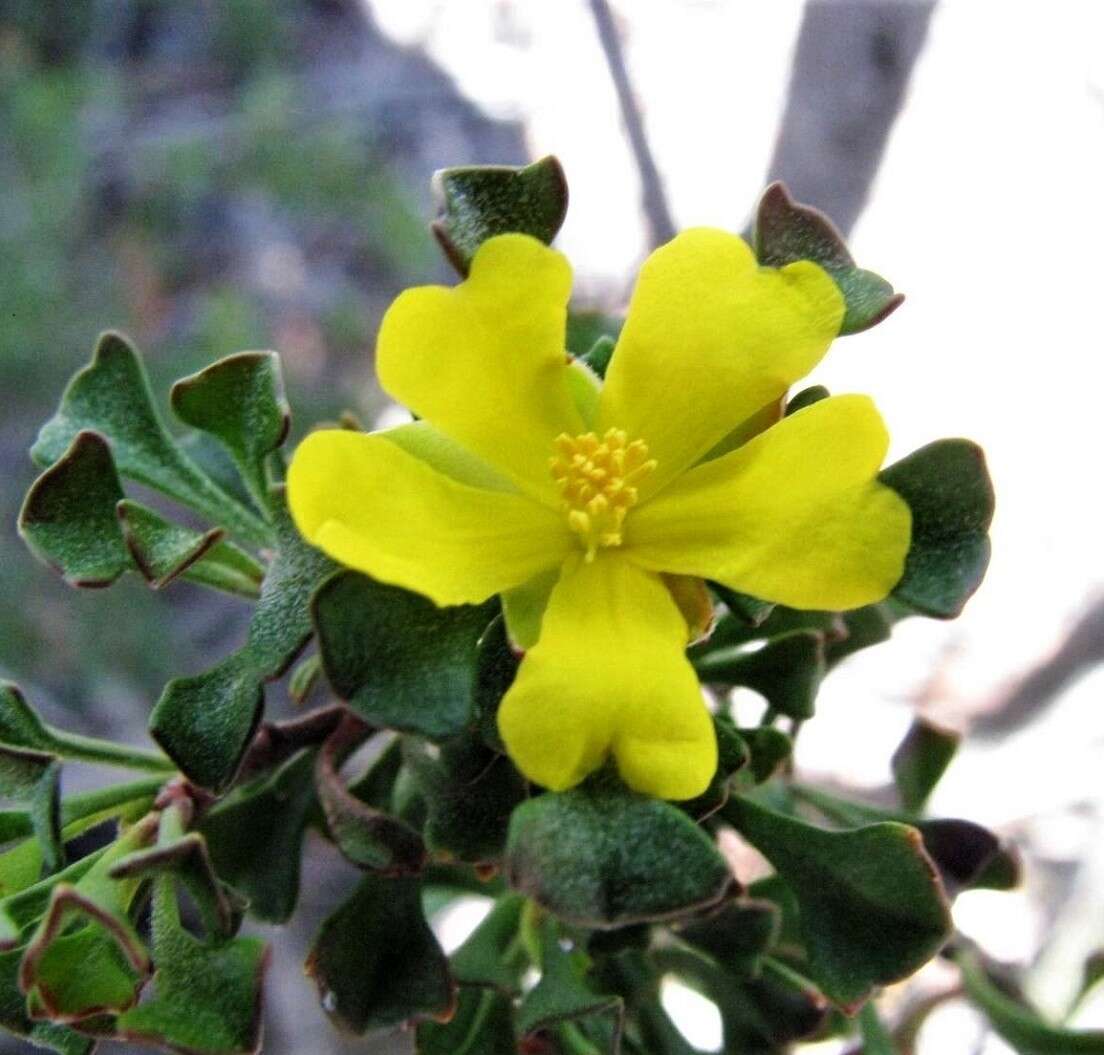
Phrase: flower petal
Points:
(485, 362)
(609, 674)
(712, 337)
(794, 516)
(375, 507)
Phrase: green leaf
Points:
(769, 748)
(733, 755)
(747, 609)
(304, 679)
(1021, 1026)
(481, 201)
(281, 623)
(737, 936)
(470, 793)
(496, 667)
(20, 725)
(397, 659)
(369, 838)
(864, 627)
(920, 761)
(786, 231)
(205, 722)
(961, 850)
(255, 836)
(14, 1018)
(164, 551)
(565, 993)
(806, 398)
(98, 967)
(24, 902)
(875, 1036)
(376, 962)
(482, 1025)
(634, 977)
(240, 401)
(68, 518)
(872, 909)
(112, 396)
(761, 1015)
(786, 671)
(185, 859)
(205, 999)
(493, 954)
(34, 777)
(600, 354)
(602, 856)
(947, 487)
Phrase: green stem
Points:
(575, 1042)
(91, 749)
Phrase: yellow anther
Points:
(598, 478)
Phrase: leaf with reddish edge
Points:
(872, 907)
(376, 962)
(369, 838)
(72, 975)
(786, 232)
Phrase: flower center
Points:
(598, 479)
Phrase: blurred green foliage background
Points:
(208, 176)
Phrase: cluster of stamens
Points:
(598, 479)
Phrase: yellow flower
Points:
(581, 503)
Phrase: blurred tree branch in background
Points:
(850, 76)
(657, 213)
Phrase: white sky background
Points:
(987, 213)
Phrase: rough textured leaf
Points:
(112, 396)
(480, 201)
(1021, 1026)
(602, 856)
(376, 962)
(482, 1025)
(872, 908)
(397, 659)
(469, 792)
(947, 487)
(786, 231)
(205, 722)
(186, 860)
(281, 623)
(98, 967)
(369, 838)
(205, 999)
(24, 905)
(164, 551)
(255, 836)
(920, 761)
(68, 518)
(14, 1018)
(240, 401)
(34, 777)
(786, 671)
